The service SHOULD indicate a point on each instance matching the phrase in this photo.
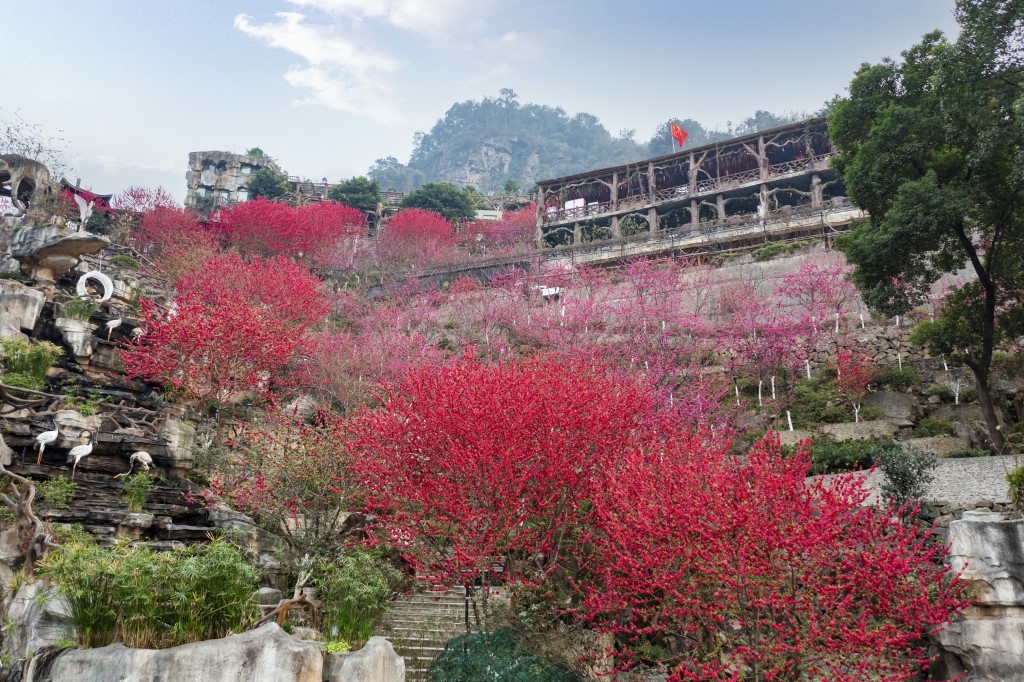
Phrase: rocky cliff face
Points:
(496, 160)
(986, 643)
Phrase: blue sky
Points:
(328, 86)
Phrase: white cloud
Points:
(339, 73)
(508, 54)
(428, 17)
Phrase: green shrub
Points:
(932, 427)
(22, 380)
(79, 308)
(829, 456)
(354, 590)
(493, 656)
(900, 380)
(941, 390)
(769, 251)
(85, 576)
(836, 415)
(964, 453)
(908, 471)
(751, 436)
(1016, 480)
(123, 260)
(137, 488)
(338, 647)
(748, 387)
(27, 362)
(871, 413)
(810, 400)
(154, 599)
(57, 492)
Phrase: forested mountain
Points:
(489, 143)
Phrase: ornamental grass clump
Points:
(153, 599)
(25, 363)
(137, 489)
(354, 589)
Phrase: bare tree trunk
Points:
(33, 540)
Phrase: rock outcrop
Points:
(19, 307)
(36, 618)
(986, 642)
(51, 251)
(267, 654)
(375, 662)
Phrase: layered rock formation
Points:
(986, 643)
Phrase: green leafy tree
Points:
(441, 197)
(359, 192)
(268, 183)
(932, 146)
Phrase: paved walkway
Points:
(967, 480)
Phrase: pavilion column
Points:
(616, 230)
(652, 219)
(762, 159)
(540, 218)
(577, 234)
(763, 208)
(694, 214)
(720, 206)
(651, 184)
(817, 191)
(615, 193)
(693, 175)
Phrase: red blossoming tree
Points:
(291, 475)
(473, 464)
(174, 241)
(854, 371)
(415, 236)
(514, 227)
(267, 228)
(741, 570)
(231, 330)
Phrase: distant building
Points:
(221, 178)
(488, 214)
(759, 179)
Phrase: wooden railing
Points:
(674, 193)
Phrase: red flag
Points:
(679, 135)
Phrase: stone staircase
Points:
(418, 626)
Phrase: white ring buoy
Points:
(108, 286)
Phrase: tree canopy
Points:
(359, 192)
(444, 198)
(269, 183)
(932, 146)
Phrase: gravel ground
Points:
(967, 480)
